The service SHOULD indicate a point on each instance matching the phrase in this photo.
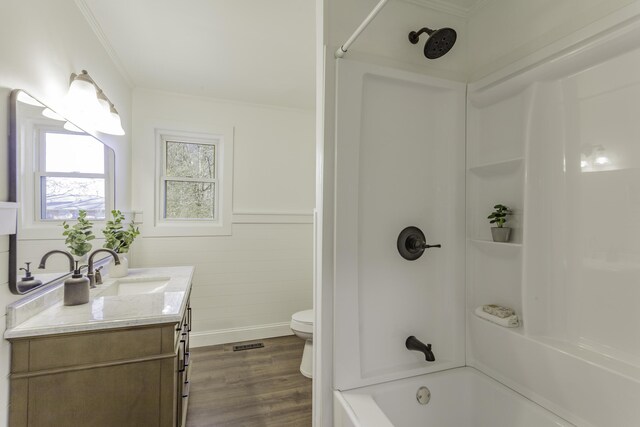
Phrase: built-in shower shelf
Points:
(484, 323)
(497, 168)
(492, 243)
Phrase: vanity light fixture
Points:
(88, 105)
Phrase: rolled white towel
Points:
(508, 322)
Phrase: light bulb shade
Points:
(110, 123)
(103, 101)
(82, 105)
(27, 99)
(49, 113)
(72, 128)
(82, 92)
(116, 124)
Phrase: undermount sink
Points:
(152, 285)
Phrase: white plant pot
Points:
(119, 270)
(82, 260)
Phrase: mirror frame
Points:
(13, 194)
(13, 189)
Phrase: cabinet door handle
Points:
(185, 389)
(184, 351)
(189, 317)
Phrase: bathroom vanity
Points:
(120, 360)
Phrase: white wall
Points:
(502, 32)
(248, 284)
(41, 43)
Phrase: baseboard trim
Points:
(225, 336)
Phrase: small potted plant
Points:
(119, 239)
(500, 233)
(78, 236)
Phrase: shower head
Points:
(439, 41)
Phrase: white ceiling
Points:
(253, 51)
(463, 8)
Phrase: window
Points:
(194, 174)
(189, 179)
(74, 171)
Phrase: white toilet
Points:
(302, 326)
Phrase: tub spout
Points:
(413, 343)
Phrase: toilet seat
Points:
(302, 321)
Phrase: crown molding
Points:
(452, 9)
(104, 41)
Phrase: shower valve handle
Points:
(425, 246)
(416, 243)
(412, 243)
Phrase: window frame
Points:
(164, 178)
(40, 172)
(222, 137)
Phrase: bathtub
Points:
(461, 397)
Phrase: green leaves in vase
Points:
(499, 215)
(117, 237)
(79, 235)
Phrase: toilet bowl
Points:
(302, 326)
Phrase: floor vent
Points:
(240, 347)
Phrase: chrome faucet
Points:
(56, 251)
(91, 273)
(413, 343)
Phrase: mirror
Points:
(55, 170)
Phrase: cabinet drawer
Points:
(87, 348)
(184, 327)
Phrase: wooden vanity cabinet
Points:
(183, 370)
(136, 376)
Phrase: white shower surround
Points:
(574, 277)
(575, 354)
(400, 162)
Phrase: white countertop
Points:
(106, 312)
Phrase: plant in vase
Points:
(500, 233)
(119, 239)
(78, 236)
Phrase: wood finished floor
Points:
(251, 388)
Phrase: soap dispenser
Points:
(28, 281)
(76, 288)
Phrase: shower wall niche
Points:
(400, 162)
(495, 175)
